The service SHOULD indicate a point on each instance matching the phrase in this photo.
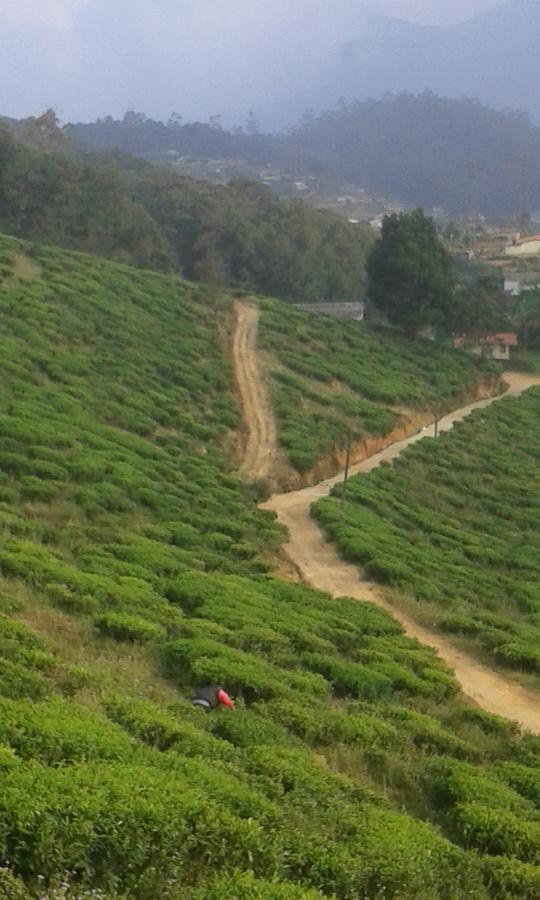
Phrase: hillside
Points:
(464, 554)
(133, 567)
(475, 58)
(331, 381)
(454, 153)
(240, 235)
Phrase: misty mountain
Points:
(422, 150)
(493, 56)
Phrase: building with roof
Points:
(496, 346)
(342, 310)
(524, 246)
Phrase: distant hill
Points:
(493, 56)
(455, 153)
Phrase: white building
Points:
(515, 283)
(496, 346)
(527, 246)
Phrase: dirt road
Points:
(320, 566)
(317, 560)
(257, 410)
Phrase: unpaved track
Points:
(317, 560)
(261, 443)
(320, 566)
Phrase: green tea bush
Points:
(459, 783)
(247, 729)
(350, 679)
(18, 681)
(22, 661)
(521, 778)
(507, 878)
(124, 627)
(57, 732)
(497, 832)
(74, 679)
(426, 732)
(164, 730)
(12, 888)
(83, 819)
(346, 377)
(246, 885)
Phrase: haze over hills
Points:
(437, 152)
(217, 58)
(493, 56)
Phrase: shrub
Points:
(247, 886)
(349, 679)
(247, 729)
(497, 832)
(74, 679)
(11, 887)
(523, 779)
(164, 730)
(507, 878)
(518, 655)
(59, 732)
(17, 681)
(125, 627)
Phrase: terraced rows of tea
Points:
(331, 379)
(134, 567)
(454, 524)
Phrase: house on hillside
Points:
(526, 246)
(495, 346)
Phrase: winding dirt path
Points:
(258, 414)
(317, 560)
(321, 567)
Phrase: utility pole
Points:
(436, 410)
(346, 475)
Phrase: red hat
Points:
(224, 698)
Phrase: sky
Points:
(90, 58)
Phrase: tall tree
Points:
(481, 307)
(410, 274)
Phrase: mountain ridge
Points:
(476, 57)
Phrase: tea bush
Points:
(507, 878)
(123, 627)
(332, 379)
(326, 779)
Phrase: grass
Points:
(467, 550)
(133, 568)
(332, 378)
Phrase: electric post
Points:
(346, 475)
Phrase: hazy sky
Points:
(88, 58)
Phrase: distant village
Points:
(353, 203)
(515, 254)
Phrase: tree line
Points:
(111, 204)
(424, 150)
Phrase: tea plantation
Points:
(454, 522)
(332, 378)
(134, 567)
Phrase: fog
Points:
(89, 58)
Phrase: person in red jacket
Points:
(210, 697)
